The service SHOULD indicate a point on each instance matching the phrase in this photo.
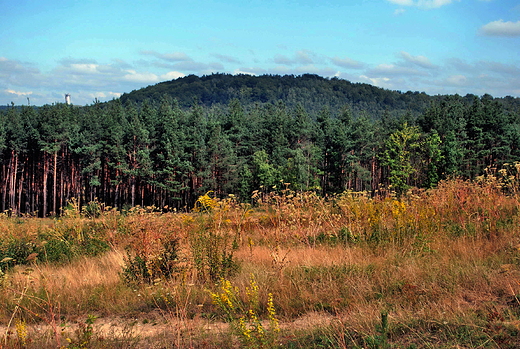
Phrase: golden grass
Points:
(436, 260)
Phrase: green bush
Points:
(14, 252)
(147, 267)
(57, 251)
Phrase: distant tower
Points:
(67, 98)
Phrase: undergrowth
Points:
(431, 269)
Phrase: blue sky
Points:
(100, 49)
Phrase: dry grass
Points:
(444, 264)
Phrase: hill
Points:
(239, 134)
(313, 92)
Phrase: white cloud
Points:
(172, 75)
(18, 93)
(304, 69)
(480, 77)
(146, 78)
(456, 80)
(170, 57)
(508, 70)
(312, 69)
(347, 63)
(198, 66)
(86, 79)
(82, 68)
(281, 59)
(104, 95)
(304, 57)
(433, 3)
(242, 72)
(422, 4)
(17, 73)
(250, 71)
(226, 59)
(380, 82)
(421, 61)
(300, 57)
(402, 2)
(501, 28)
(393, 69)
(459, 64)
(399, 11)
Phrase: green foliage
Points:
(399, 151)
(434, 157)
(342, 237)
(143, 266)
(213, 254)
(244, 314)
(265, 174)
(17, 251)
(380, 341)
(57, 250)
(167, 144)
(308, 90)
(83, 335)
(92, 209)
(65, 242)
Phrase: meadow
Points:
(436, 268)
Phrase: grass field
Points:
(432, 269)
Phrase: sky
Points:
(101, 49)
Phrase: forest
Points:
(168, 144)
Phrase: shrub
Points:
(243, 315)
(143, 266)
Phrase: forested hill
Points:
(242, 134)
(310, 91)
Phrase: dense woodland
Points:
(167, 144)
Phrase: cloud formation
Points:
(19, 93)
(420, 61)
(501, 28)
(87, 79)
(179, 61)
(385, 70)
(225, 58)
(281, 59)
(299, 57)
(250, 71)
(170, 57)
(17, 73)
(422, 4)
(84, 79)
(347, 63)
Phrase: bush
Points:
(147, 267)
(21, 251)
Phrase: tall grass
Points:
(444, 264)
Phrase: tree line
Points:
(159, 153)
(308, 90)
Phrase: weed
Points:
(93, 209)
(21, 332)
(446, 261)
(212, 253)
(147, 266)
(83, 335)
(380, 341)
(205, 203)
(243, 315)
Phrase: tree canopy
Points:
(242, 134)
